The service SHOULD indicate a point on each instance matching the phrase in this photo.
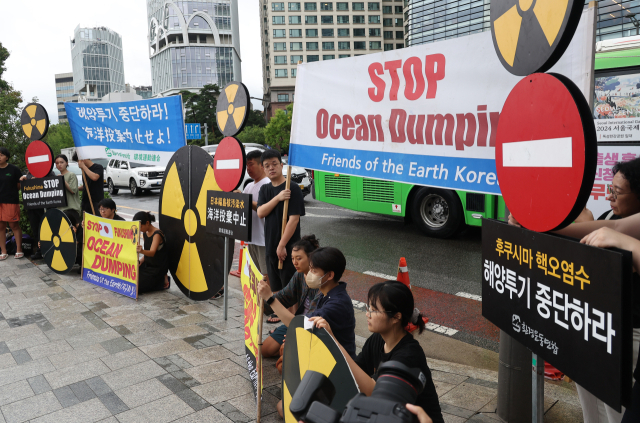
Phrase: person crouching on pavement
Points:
(9, 204)
(154, 264)
(296, 292)
(107, 208)
(390, 307)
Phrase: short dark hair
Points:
(5, 152)
(329, 259)
(144, 217)
(255, 155)
(395, 297)
(271, 154)
(308, 243)
(631, 172)
(61, 156)
(107, 203)
(75, 156)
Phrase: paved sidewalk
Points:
(73, 352)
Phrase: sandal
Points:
(273, 319)
(220, 294)
(4, 257)
(168, 284)
(18, 256)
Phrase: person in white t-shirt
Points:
(256, 172)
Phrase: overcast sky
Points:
(37, 36)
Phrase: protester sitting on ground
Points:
(70, 183)
(608, 233)
(152, 273)
(94, 180)
(9, 204)
(271, 200)
(326, 266)
(35, 216)
(624, 191)
(390, 307)
(107, 208)
(297, 292)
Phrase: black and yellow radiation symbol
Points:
(314, 350)
(196, 259)
(134, 234)
(57, 241)
(531, 35)
(34, 121)
(232, 109)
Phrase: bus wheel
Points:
(437, 212)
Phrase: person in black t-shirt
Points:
(624, 191)
(107, 209)
(9, 204)
(271, 207)
(94, 180)
(389, 310)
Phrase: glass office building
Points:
(96, 57)
(435, 20)
(192, 44)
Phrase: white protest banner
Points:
(423, 115)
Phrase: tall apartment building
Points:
(311, 31)
(192, 44)
(96, 56)
(64, 93)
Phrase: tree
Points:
(59, 137)
(11, 135)
(278, 131)
(201, 108)
(253, 134)
(256, 118)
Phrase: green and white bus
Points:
(438, 212)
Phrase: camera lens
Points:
(397, 382)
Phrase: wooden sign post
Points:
(285, 211)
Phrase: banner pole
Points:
(86, 191)
(285, 211)
(226, 276)
(537, 388)
(259, 360)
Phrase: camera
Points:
(396, 386)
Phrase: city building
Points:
(64, 93)
(192, 44)
(96, 56)
(144, 91)
(310, 31)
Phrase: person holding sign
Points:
(271, 208)
(152, 273)
(256, 172)
(94, 181)
(70, 183)
(624, 191)
(9, 204)
(390, 308)
(107, 208)
(35, 216)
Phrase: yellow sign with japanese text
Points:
(249, 277)
(109, 256)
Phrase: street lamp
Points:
(632, 17)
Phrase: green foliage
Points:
(11, 135)
(256, 118)
(201, 108)
(278, 130)
(59, 137)
(254, 134)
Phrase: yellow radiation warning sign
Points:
(232, 109)
(531, 35)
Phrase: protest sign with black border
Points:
(43, 193)
(229, 214)
(569, 303)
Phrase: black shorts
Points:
(279, 278)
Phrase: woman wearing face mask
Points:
(296, 292)
(389, 309)
(326, 266)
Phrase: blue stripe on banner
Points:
(460, 173)
(120, 286)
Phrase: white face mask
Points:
(314, 281)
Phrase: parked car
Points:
(299, 175)
(137, 177)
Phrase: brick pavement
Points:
(74, 352)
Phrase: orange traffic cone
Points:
(403, 272)
(237, 272)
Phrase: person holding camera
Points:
(390, 308)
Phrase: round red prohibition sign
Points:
(229, 164)
(39, 158)
(546, 152)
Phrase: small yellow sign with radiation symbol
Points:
(314, 349)
(530, 36)
(232, 109)
(34, 121)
